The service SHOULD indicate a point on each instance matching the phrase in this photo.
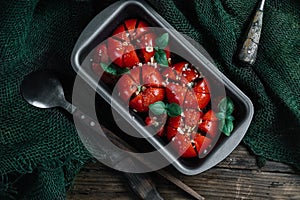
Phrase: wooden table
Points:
(237, 177)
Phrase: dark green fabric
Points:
(40, 152)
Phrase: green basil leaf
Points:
(158, 108)
(173, 109)
(162, 41)
(161, 58)
(230, 106)
(222, 105)
(221, 124)
(220, 115)
(230, 117)
(228, 127)
(113, 69)
(226, 106)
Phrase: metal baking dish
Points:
(102, 26)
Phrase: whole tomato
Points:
(132, 43)
(142, 86)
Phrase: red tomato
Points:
(187, 122)
(186, 71)
(209, 125)
(175, 93)
(202, 92)
(100, 55)
(183, 72)
(192, 133)
(182, 132)
(185, 84)
(141, 87)
(157, 123)
(130, 38)
(189, 148)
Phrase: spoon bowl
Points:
(43, 90)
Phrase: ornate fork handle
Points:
(250, 46)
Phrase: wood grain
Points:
(237, 177)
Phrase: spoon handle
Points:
(249, 49)
(141, 184)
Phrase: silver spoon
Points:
(43, 90)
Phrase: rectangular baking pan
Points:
(100, 28)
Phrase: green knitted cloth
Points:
(40, 152)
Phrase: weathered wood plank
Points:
(241, 158)
(245, 184)
(237, 177)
